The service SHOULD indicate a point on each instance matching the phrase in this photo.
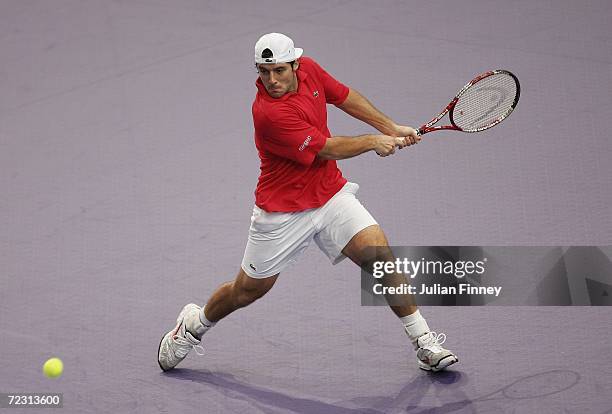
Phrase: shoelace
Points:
(433, 341)
(185, 346)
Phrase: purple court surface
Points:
(127, 175)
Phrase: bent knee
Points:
(247, 293)
(244, 297)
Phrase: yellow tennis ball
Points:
(53, 368)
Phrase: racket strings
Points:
(486, 103)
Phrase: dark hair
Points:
(290, 63)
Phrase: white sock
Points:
(199, 326)
(208, 324)
(415, 325)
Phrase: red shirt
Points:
(289, 133)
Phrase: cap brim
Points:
(297, 53)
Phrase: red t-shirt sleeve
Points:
(289, 136)
(335, 91)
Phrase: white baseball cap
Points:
(276, 48)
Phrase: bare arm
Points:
(359, 107)
(339, 148)
(356, 105)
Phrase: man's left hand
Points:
(405, 131)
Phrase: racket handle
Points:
(418, 131)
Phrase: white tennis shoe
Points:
(177, 343)
(430, 354)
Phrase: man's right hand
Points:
(385, 145)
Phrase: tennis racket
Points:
(484, 102)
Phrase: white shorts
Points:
(276, 240)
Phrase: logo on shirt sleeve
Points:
(315, 94)
(305, 143)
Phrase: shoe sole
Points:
(442, 364)
(179, 320)
(158, 351)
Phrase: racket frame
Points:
(429, 127)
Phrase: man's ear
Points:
(296, 64)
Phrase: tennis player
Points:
(302, 196)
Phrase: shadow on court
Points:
(231, 387)
(447, 386)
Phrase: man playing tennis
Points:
(302, 196)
